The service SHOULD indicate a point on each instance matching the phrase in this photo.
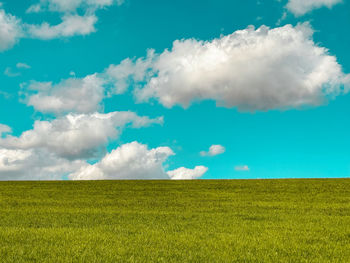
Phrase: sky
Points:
(202, 89)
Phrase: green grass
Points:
(176, 221)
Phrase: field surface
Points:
(176, 221)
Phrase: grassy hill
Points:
(176, 221)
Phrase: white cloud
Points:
(10, 30)
(183, 173)
(215, 149)
(301, 7)
(76, 136)
(34, 9)
(4, 129)
(10, 73)
(129, 72)
(34, 165)
(129, 161)
(253, 70)
(71, 25)
(22, 65)
(71, 95)
(242, 168)
(15, 73)
(66, 6)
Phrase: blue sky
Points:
(98, 89)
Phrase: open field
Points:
(176, 221)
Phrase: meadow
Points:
(301, 220)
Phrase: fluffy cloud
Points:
(129, 72)
(251, 69)
(71, 95)
(301, 7)
(242, 168)
(129, 161)
(71, 25)
(215, 149)
(34, 165)
(10, 30)
(183, 173)
(76, 136)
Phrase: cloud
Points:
(35, 164)
(6, 95)
(301, 7)
(71, 25)
(22, 65)
(76, 136)
(10, 73)
(215, 149)
(252, 69)
(10, 30)
(71, 95)
(129, 72)
(4, 129)
(66, 6)
(34, 9)
(13, 29)
(129, 161)
(242, 168)
(183, 173)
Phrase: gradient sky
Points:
(272, 100)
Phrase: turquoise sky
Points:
(284, 138)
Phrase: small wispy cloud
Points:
(242, 168)
(15, 72)
(215, 149)
(23, 65)
(4, 129)
(10, 73)
(4, 94)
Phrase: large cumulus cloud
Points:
(251, 69)
(129, 161)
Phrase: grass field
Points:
(176, 221)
